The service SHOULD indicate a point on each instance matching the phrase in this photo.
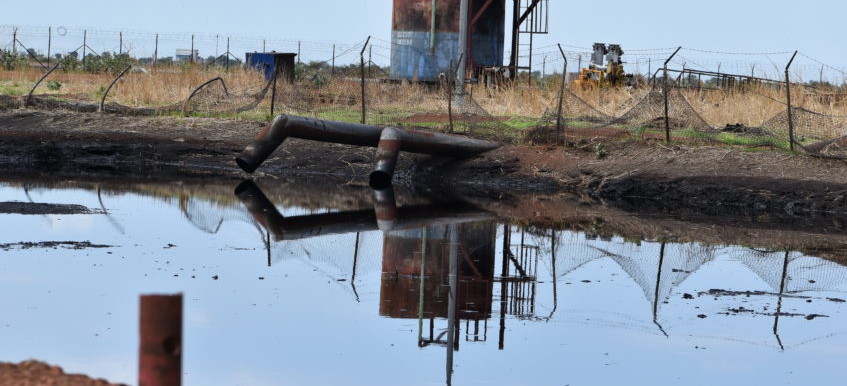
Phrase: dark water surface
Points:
(325, 299)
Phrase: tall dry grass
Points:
(158, 87)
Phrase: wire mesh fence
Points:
(341, 82)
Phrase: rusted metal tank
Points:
(421, 49)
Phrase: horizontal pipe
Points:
(284, 126)
(385, 216)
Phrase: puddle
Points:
(309, 295)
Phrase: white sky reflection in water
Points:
(305, 323)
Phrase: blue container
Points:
(268, 62)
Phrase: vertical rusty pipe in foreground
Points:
(160, 350)
(387, 153)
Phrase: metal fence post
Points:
(273, 89)
(362, 70)
(561, 94)
(156, 51)
(665, 94)
(788, 102)
(49, 43)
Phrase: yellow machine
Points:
(597, 75)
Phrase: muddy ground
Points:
(681, 191)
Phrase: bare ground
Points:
(678, 186)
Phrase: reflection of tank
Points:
(404, 259)
(421, 49)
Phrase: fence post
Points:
(332, 73)
(362, 70)
(102, 107)
(49, 43)
(15, 40)
(561, 94)
(156, 51)
(191, 54)
(788, 102)
(665, 95)
(273, 89)
(298, 52)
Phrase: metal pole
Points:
(227, 54)
(191, 55)
(362, 70)
(84, 42)
(120, 43)
(561, 94)
(263, 46)
(15, 40)
(156, 51)
(49, 43)
(332, 73)
(665, 94)
(432, 29)
(298, 51)
(273, 91)
(463, 54)
(788, 101)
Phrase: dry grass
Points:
(160, 87)
(164, 86)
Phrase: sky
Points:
(647, 30)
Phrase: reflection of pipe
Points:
(284, 126)
(160, 351)
(386, 216)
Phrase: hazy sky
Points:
(812, 26)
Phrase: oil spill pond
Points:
(353, 304)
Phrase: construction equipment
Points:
(598, 75)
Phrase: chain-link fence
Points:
(342, 82)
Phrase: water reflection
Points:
(443, 274)
(452, 287)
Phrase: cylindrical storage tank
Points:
(420, 52)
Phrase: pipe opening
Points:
(379, 180)
(244, 165)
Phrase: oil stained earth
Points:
(400, 295)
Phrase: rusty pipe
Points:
(284, 126)
(387, 152)
(160, 351)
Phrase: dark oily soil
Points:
(53, 245)
(17, 207)
(639, 176)
(35, 373)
